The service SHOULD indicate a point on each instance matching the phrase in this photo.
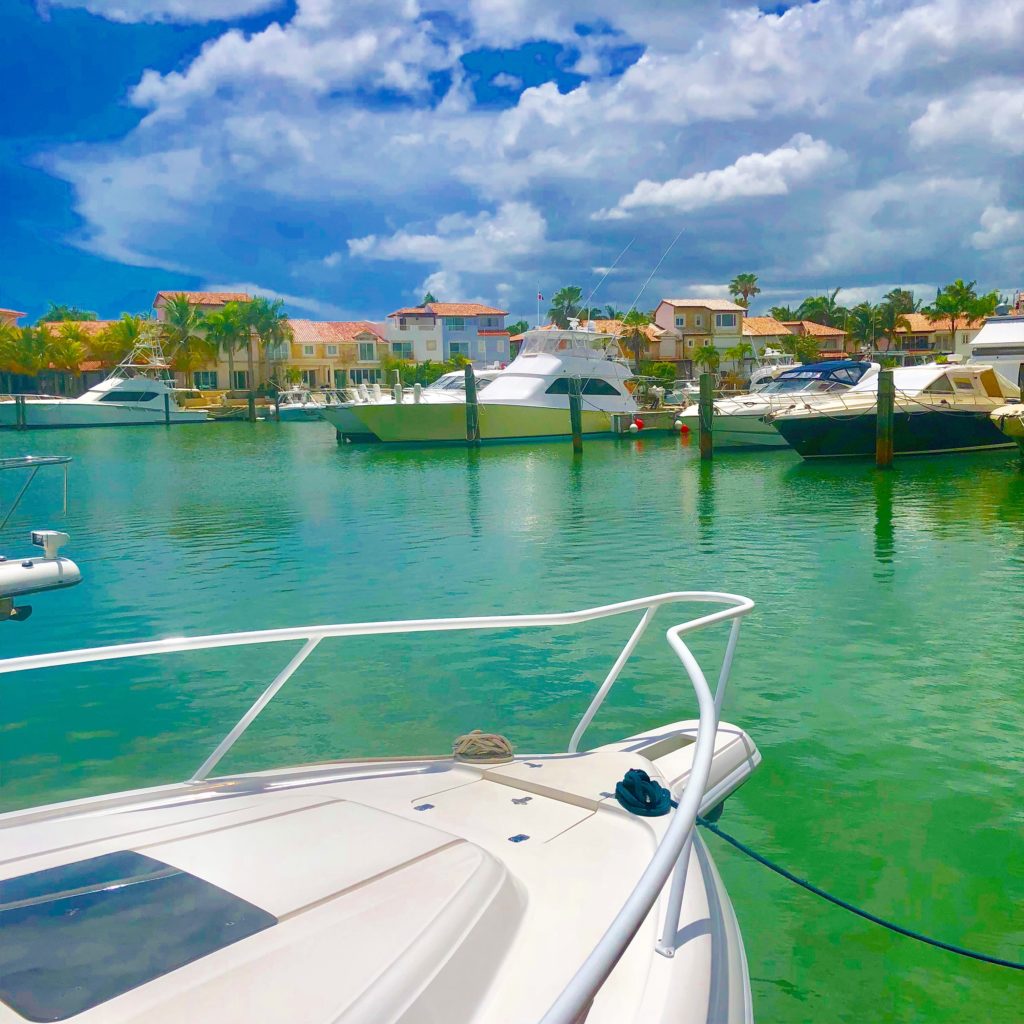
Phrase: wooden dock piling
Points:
(472, 407)
(884, 421)
(167, 409)
(20, 419)
(576, 413)
(706, 410)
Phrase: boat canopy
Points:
(951, 378)
(999, 332)
(581, 344)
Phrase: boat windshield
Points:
(565, 343)
(457, 382)
(789, 385)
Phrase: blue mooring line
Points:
(810, 887)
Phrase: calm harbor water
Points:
(880, 673)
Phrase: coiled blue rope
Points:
(640, 794)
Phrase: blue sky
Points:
(349, 154)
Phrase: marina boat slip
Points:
(137, 392)
(481, 886)
(529, 399)
(938, 408)
(1010, 420)
(740, 422)
(1000, 344)
(449, 387)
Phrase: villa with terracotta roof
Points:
(932, 338)
(332, 353)
(762, 332)
(440, 330)
(831, 340)
(689, 324)
(206, 301)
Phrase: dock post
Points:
(167, 409)
(706, 410)
(397, 388)
(19, 412)
(883, 424)
(251, 402)
(472, 407)
(576, 413)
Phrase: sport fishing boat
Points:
(771, 364)
(529, 399)
(297, 404)
(449, 387)
(480, 886)
(1010, 420)
(138, 391)
(938, 408)
(741, 422)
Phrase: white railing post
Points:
(620, 661)
(261, 702)
(667, 943)
(723, 677)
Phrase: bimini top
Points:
(998, 331)
(946, 378)
(579, 343)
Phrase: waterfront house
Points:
(438, 331)
(10, 317)
(689, 324)
(924, 338)
(206, 302)
(831, 340)
(331, 353)
(762, 332)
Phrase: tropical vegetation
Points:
(743, 287)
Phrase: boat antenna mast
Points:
(146, 356)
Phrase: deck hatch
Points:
(74, 936)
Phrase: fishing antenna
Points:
(655, 270)
(586, 305)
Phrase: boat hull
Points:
(430, 423)
(924, 432)
(732, 430)
(54, 415)
(1010, 420)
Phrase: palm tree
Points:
(265, 321)
(742, 287)
(55, 313)
(739, 352)
(227, 330)
(958, 300)
(611, 313)
(66, 352)
(183, 330)
(783, 313)
(862, 324)
(10, 338)
(565, 304)
(891, 318)
(822, 309)
(519, 327)
(901, 300)
(32, 351)
(634, 334)
(113, 343)
(708, 357)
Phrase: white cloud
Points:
(753, 175)
(503, 80)
(167, 10)
(481, 243)
(988, 113)
(999, 227)
(326, 310)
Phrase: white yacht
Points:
(529, 399)
(478, 887)
(135, 393)
(740, 422)
(771, 364)
(297, 404)
(449, 387)
(1000, 344)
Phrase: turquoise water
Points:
(880, 673)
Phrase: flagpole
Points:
(537, 324)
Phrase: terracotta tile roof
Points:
(12, 312)
(763, 326)
(717, 305)
(920, 324)
(813, 329)
(489, 334)
(88, 327)
(330, 332)
(205, 298)
(449, 309)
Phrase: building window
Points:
(205, 380)
(459, 348)
(455, 323)
(367, 352)
(339, 378)
(403, 324)
(332, 350)
(431, 345)
(308, 350)
(725, 319)
(491, 322)
(309, 378)
(698, 319)
(364, 376)
(240, 381)
(401, 349)
(680, 320)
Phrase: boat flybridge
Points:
(481, 886)
(939, 407)
(138, 391)
(20, 577)
(1000, 344)
(448, 388)
(528, 399)
(770, 365)
(741, 422)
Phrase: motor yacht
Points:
(740, 422)
(1000, 344)
(771, 364)
(938, 408)
(1010, 420)
(298, 404)
(529, 399)
(449, 387)
(482, 886)
(138, 391)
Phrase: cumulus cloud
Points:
(326, 310)
(1000, 227)
(503, 80)
(167, 10)
(751, 176)
(990, 113)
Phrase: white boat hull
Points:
(69, 413)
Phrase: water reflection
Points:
(884, 533)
